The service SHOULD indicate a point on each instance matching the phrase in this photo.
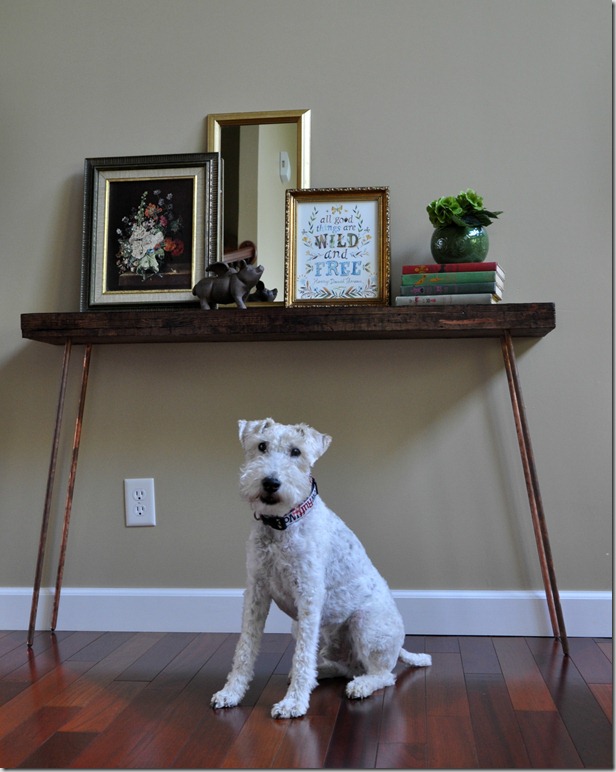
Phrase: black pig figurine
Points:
(262, 294)
(228, 285)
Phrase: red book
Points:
(452, 268)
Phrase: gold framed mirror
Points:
(263, 154)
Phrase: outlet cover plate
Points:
(139, 503)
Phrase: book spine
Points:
(444, 300)
(493, 288)
(410, 280)
(450, 267)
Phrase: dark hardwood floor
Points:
(140, 700)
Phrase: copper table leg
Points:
(534, 496)
(48, 495)
(71, 483)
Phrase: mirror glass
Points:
(263, 154)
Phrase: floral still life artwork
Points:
(146, 238)
(151, 225)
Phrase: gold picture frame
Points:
(337, 247)
(151, 228)
(253, 190)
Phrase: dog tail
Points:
(415, 660)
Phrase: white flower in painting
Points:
(138, 233)
(153, 239)
(148, 262)
(143, 241)
(137, 248)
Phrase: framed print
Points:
(337, 247)
(151, 225)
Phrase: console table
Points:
(275, 323)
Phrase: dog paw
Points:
(224, 699)
(363, 686)
(289, 707)
(358, 691)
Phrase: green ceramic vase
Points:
(455, 244)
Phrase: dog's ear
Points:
(246, 428)
(319, 442)
(325, 442)
(241, 425)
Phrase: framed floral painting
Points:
(337, 247)
(151, 226)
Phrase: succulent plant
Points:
(466, 210)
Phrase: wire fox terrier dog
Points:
(302, 556)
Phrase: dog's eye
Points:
(295, 452)
(262, 447)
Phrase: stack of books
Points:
(450, 283)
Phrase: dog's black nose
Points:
(270, 484)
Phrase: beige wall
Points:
(511, 97)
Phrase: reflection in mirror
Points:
(263, 155)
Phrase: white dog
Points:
(301, 555)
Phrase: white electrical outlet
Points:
(139, 505)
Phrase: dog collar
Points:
(282, 522)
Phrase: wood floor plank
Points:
(416, 643)
(21, 742)
(604, 695)
(404, 710)
(498, 739)
(144, 712)
(263, 672)
(104, 706)
(580, 712)
(401, 756)
(102, 646)
(355, 738)
(215, 730)
(305, 743)
(30, 700)
(95, 680)
(261, 736)
(451, 743)
(325, 700)
(605, 644)
(590, 660)
(286, 661)
(276, 643)
(172, 728)
(11, 640)
(58, 751)
(155, 659)
(211, 740)
(547, 741)
(113, 745)
(16, 658)
(10, 689)
(479, 655)
(61, 649)
(526, 686)
(445, 644)
(189, 660)
(445, 686)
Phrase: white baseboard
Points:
(425, 612)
